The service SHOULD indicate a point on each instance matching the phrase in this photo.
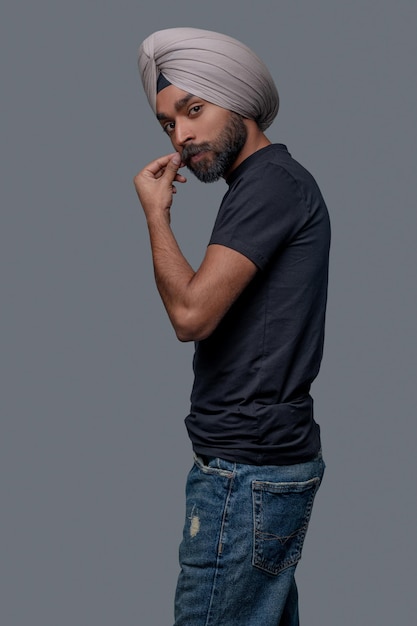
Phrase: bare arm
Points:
(195, 301)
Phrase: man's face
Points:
(208, 137)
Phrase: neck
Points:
(255, 141)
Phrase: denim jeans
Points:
(243, 536)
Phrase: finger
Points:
(172, 168)
(178, 178)
(158, 166)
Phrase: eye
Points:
(168, 128)
(195, 109)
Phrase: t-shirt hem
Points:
(277, 457)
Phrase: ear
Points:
(255, 134)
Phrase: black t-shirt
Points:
(250, 401)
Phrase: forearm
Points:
(173, 277)
(155, 188)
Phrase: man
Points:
(255, 309)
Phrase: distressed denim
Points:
(243, 536)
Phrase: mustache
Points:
(193, 149)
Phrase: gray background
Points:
(94, 385)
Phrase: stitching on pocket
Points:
(281, 514)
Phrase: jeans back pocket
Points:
(281, 513)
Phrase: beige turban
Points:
(212, 66)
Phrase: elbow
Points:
(192, 326)
(185, 335)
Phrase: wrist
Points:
(158, 221)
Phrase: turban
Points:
(212, 66)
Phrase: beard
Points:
(226, 148)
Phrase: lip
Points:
(197, 157)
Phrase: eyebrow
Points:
(178, 105)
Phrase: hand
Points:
(155, 185)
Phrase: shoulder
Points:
(266, 171)
(268, 179)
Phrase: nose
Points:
(183, 132)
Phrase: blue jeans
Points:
(243, 536)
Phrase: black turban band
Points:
(162, 82)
